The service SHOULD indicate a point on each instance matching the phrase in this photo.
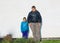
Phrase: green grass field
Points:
(30, 40)
(51, 41)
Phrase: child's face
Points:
(24, 19)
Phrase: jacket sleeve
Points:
(39, 17)
(29, 18)
(21, 26)
(28, 26)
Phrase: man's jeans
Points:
(36, 30)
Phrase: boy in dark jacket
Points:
(24, 28)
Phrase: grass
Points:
(30, 40)
(51, 41)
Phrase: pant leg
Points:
(38, 31)
(25, 34)
(33, 28)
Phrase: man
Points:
(35, 20)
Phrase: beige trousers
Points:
(36, 30)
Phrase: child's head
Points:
(24, 18)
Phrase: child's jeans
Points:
(25, 34)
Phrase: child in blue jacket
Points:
(24, 28)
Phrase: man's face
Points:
(33, 9)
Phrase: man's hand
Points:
(30, 24)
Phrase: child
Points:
(24, 28)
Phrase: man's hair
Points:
(33, 7)
(24, 18)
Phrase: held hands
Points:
(30, 24)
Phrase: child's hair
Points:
(24, 18)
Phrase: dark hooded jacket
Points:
(34, 17)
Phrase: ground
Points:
(30, 40)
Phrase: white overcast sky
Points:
(12, 12)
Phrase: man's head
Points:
(24, 18)
(33, 8)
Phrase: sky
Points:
(12, 12)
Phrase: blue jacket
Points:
(34, 17)
(24, 26)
